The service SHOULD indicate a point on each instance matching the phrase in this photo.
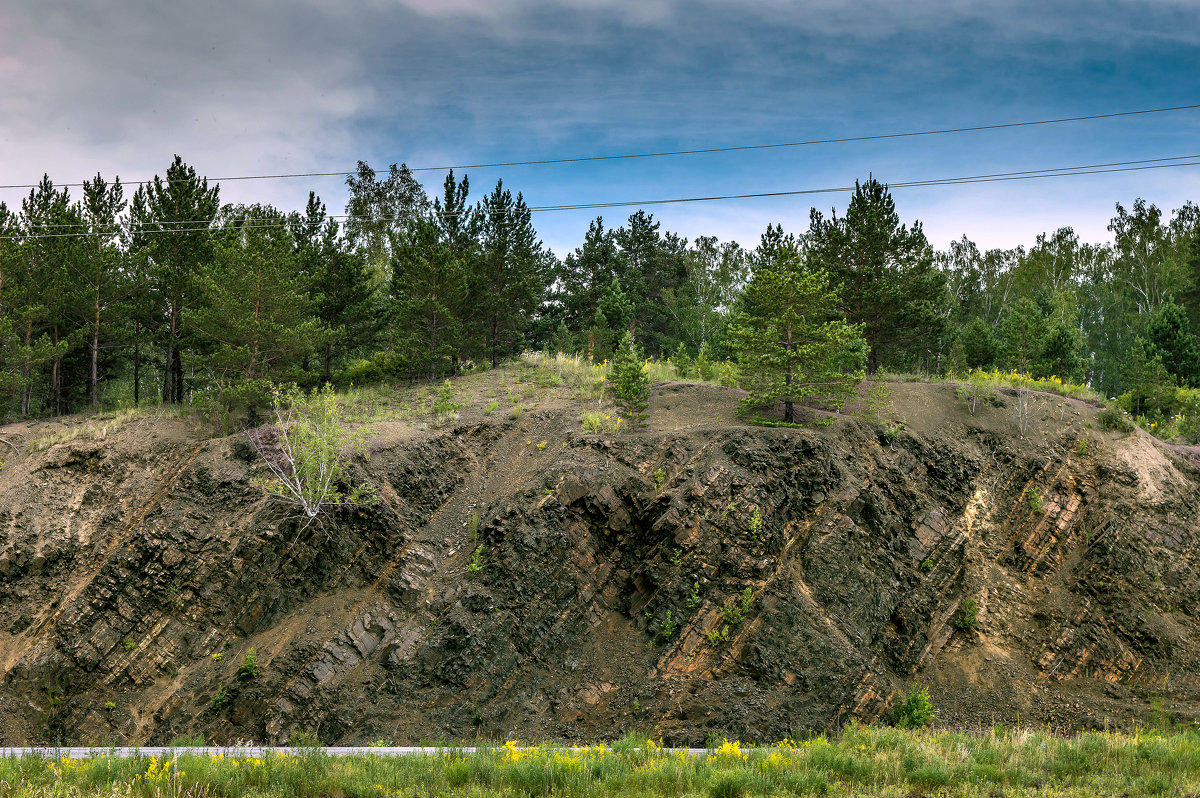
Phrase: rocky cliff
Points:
(697, 577)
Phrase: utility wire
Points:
(701, 151)
(1059, 171)
(1036, 174)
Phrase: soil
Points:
(138, 569)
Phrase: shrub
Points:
(1112, 417)
(968, 615)
(476, 562)
(220, 699)
(729, 784)
(249, 667)
(916, 710)
(308, 449)
(1035, 500)
(444, 407)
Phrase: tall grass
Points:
(864, 761)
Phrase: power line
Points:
(1058, 171)
(700, 151)
(997, 177)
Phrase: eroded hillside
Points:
(138, 570)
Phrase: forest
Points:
(166, 295)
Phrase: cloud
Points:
(269, 86)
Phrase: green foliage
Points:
(667, 628)
(916, 710)
(444, 407)
(217, 656)
(791, 347)
(628, 382)
(128, 646)
(926, 565)
(491, 406)
(249, 667)
(968, 615)
(109, 706)
(476, 564)
(308, 450)
(693, 600)
(755, 523)
(890, 291)
(219, 699)
(660, 477)
(1114, 418)
(735, 610)
(1035, 500)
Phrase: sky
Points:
(275, 86)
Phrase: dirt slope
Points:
(129, 563)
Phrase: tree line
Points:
(168, 295)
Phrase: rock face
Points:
(751, 582)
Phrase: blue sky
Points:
(272, 86)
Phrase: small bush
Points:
(729, 784)
(476, 563)
(916, 710)
(249, 667)
(1035, 500)
(1115, 418)
(220, 699)
(968, 615)
(444, 407)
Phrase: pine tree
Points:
(253, 312)
(171, 220)
(791, 343)
(103, 204)
(629, 382)
(885, 268)
(340, 287)
(510, 280)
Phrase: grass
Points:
(865, 761)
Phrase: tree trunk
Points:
(137, 369)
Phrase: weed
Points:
(676, 557)
(736, 610)
(755, 523)
(476, 564)
(1083, 446)
(916, 710)
(1035, 500)
(968, 615)
(109, 706)
(693, 600)
(249, 667)
(667, 628)
(926, 565)
(473, 528)
(444, 407)
(220, 699)
(660, 477)
(541, 447)
(515, 414)
(717, 636)
(128, 646)
(491, 407)
(218, 656)
(1113, 417)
